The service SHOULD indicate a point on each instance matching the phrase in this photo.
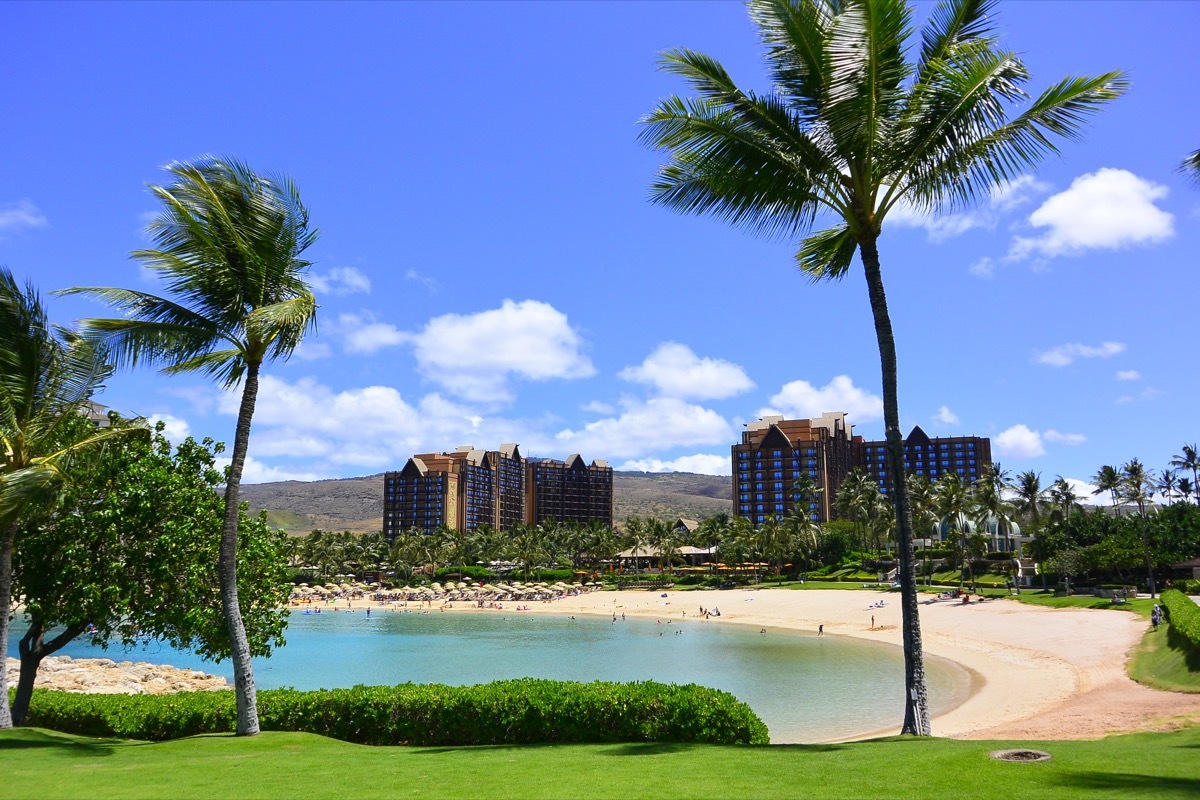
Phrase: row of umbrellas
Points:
(450, 590)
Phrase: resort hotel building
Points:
(775, 452)
(468, 488)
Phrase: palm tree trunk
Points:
(916, 703)
(243, 671)
(6, 580)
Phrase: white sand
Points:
(1045, 673)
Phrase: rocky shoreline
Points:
(105, 676)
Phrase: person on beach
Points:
(872, 622)
(821, 630)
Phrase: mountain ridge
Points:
(356, 504)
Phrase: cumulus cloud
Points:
(946, 416)
(1070, 439)
(21, 214)
(1065, 354)
(675, 371)
(1108, 210)
(644, 427)
(255, 471)
(1128, 375)
(312, 351)
(944, 226)
(802, 400)
(472, 355)
(1020, 442)
(1149, 393)
(700, 463)
(340, 281)
(175, 428)
(362, 334)
(370, 427)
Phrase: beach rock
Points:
(105, 676)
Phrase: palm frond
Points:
(984, 159)
(951, 23)
(794, 35)
(1191, 167)
(226, 366)
(283, 324)
(827, 254)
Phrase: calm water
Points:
(805, 688)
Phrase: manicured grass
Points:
(39, 763)
(1156, 663)
(1140, 606)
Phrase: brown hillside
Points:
(356, 504)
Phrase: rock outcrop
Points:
(105, 676)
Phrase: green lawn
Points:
(39, 763)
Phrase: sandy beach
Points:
(1042, 673)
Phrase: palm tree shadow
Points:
(1131, 782)
(32, 738)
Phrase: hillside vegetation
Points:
(356, 504)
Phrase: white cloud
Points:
(646, 427)
(1108, 209)
(597, 407)
(1020, 442)
(362, 334)
(801, 400)
(21, 214)
(1129, 375)
(946, 416)
(340, 281)
(254, 471)
(700, 463)
(175, 429)
(312, 351)
(429, 283)
(472, 355)
(944, 226)
(983, 268)
(1071, 439)
(1084, 492)
(675, 371)
(1064, 354)
(1149, 393)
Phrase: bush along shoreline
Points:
(524, 711)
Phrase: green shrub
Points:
(1184, 617)
(1188, 586)
(525, 711)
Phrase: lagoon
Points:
(806, 688)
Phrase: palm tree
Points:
(1189, 459)
(47, 376)
(1063, 497)
(229, 244)
(854, 130)
(1108, 480)
(1030, 498)
(924, 513)
(955, 504)
(1137, 488)
(1186, 488)
(1168, 484)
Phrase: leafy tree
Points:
(125, 554)
(47, 376)
(853, 130)
(229, 244)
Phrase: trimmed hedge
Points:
(1184, 616)
(525, 711)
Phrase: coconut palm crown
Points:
(229, 244)
(853, 130)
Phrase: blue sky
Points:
(489, 268)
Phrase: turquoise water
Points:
(806, 688)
